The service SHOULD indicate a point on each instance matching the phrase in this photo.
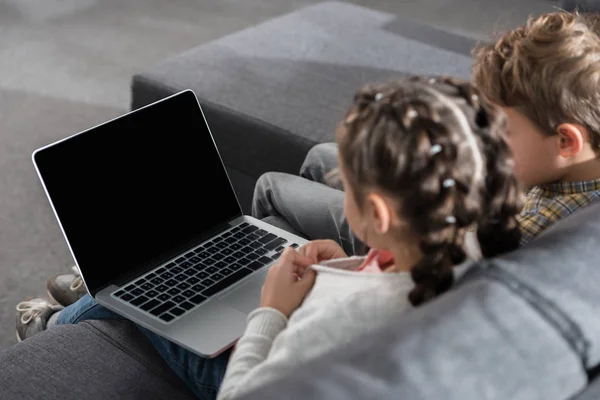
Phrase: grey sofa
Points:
(521, 327)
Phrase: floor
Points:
(66, 65)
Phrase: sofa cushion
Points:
(522, 326)
(92, 360)
(272, 91)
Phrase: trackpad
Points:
(246, 298)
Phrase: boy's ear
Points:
(380, 213)
(571, 138)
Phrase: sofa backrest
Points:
(522, 326)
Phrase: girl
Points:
(423, 162)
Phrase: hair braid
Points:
(388, 140)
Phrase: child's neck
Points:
(584, 171)
(405, 257)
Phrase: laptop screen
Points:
(138, 189)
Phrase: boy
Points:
(546, 77)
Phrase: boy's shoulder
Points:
(548, 204)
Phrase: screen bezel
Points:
(160, 259)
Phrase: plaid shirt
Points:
(546, 204)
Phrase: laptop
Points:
(155, 227)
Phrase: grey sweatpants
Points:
(306, 202)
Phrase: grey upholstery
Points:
(273, 91)
(523, 326)
(91, 360)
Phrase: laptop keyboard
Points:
(178, 287)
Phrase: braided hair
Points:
(438, 147)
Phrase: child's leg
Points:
(203, 376)
(320, 160)
(313, 209)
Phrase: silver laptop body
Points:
(155, 228)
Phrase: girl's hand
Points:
(288, 282)
(322, 250)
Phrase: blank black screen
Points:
(132, 191)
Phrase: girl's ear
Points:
(380, 213)
(571, 138)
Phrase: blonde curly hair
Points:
(547, 69)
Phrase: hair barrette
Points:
(412, 114)
(450, 219)
(448, 183)
(474, 97)
(378, 96)
(436, 148)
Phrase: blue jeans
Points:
(202, 375)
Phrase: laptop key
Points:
(227, 271)
(173, 291)
(157, 281)
(137, 292)
(164, 297)
(239, 235)
(218, 256)
(147, 286)
(166, 306)
(178, 299)
(150, 276)
(180, 260)
(195, 260)
(234, 230)
(210, 261)
(177, 311)
(226, 252)
(261, 251)
(217, 277)
(213, 250)
(140, 300)
(186, 305)
(294, 245)
(250, 229)
(208, 282)
(261, 233)
(130, 287)
(222, 245)
(275, 243)
(234, 267)
(189, 272)
(250, 249)
(161, 270)
(238, 254)
(140, 282)
(252, 256)
(197, 299)
(229, 260)
(254, 245)
(190, 254)
(249, 238)
(221, 265)
(186, 264)
(235, 246)
(212, 270)
(204, 254)
(199, 267)
(193, 280)
(161, 288)
(217, 239)
(167, 317)
(265, 260)
(150, 305)
(126, 297)
(203, 275)
(244, 225)
(180, 277)
(197, 288)
(231, 240)
(244, 261)
(183, 286)
(225, 283)
(171, 282)
(279, 249)
(166, 275)
(255, 265)
(170, 265)
(176, 270)
(188, 293)
(119, 293)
